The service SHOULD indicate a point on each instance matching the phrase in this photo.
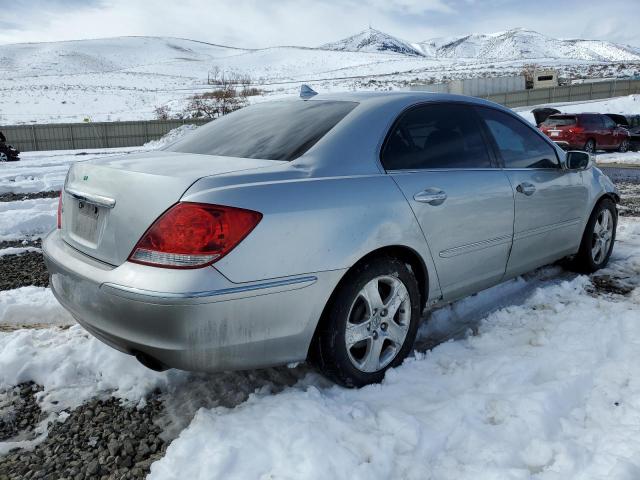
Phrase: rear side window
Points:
(559, 121)
(518, 144)
(270, 130)
(608, 123)
(591, 121)
(436, 136)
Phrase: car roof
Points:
(406, 97)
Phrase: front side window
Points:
(436, 136)
(269, 130)
(518, 144)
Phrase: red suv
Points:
(586, 131)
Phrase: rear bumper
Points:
(203, 322)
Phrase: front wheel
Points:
(624, 146)
(370, 324)
(3, 157)
(598, 238)
(590, 146)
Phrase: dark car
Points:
(631, 123)
(586, 131)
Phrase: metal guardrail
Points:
(569, 93)
(74, 136)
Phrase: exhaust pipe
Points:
(150, 362)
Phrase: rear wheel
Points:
(598, 238)
(3, 157)
(624, 146)
(370, 324)
(590, 146)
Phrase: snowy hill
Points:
(372, 40)
(126, 78)
(521, 44)
(103, 55)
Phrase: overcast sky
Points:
(261, 23)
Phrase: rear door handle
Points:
(526, 188)
(432, 196)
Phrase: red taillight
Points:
(60, 210)
(576, 130)
(193, 235)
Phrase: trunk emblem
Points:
(85, 178)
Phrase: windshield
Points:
(559, 121)
(270, 130)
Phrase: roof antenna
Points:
(306, 92)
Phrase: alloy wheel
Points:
(378, 323)
(602, 236)
(624, 146)
(3, 157)
(590, 146)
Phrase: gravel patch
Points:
(19, 411)
(629, 199)
(13, 197)
(101, 439)
(21, 270)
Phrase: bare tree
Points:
(162, 112)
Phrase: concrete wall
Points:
(523, 98)
(569, 93)
(475, 86)
(73, 136)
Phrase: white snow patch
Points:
(32, 305)
(73, 366)
(17, 250)
(27, 218)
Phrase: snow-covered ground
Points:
(534, 378)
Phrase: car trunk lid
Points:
(108, 204)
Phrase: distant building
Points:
(546, 78)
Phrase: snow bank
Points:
(30, 306)
(627, 158)
(73, 366)
(27, 218)
(547, 388)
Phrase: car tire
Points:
(624, 146)
(359, 337)
(590, 146)
(591, 258)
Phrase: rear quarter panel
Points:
(315, 224)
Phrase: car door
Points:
(438, 155)
(549, 201)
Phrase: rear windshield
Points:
(270, 130)
(559, 120)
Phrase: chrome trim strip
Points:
(545, 228)
(211, 295)
(93, 198)
(474, 247)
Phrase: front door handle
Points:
(526, 188)
(432, 196)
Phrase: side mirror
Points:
(577, 160)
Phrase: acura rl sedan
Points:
(318, 229)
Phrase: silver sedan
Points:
(318, 228)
